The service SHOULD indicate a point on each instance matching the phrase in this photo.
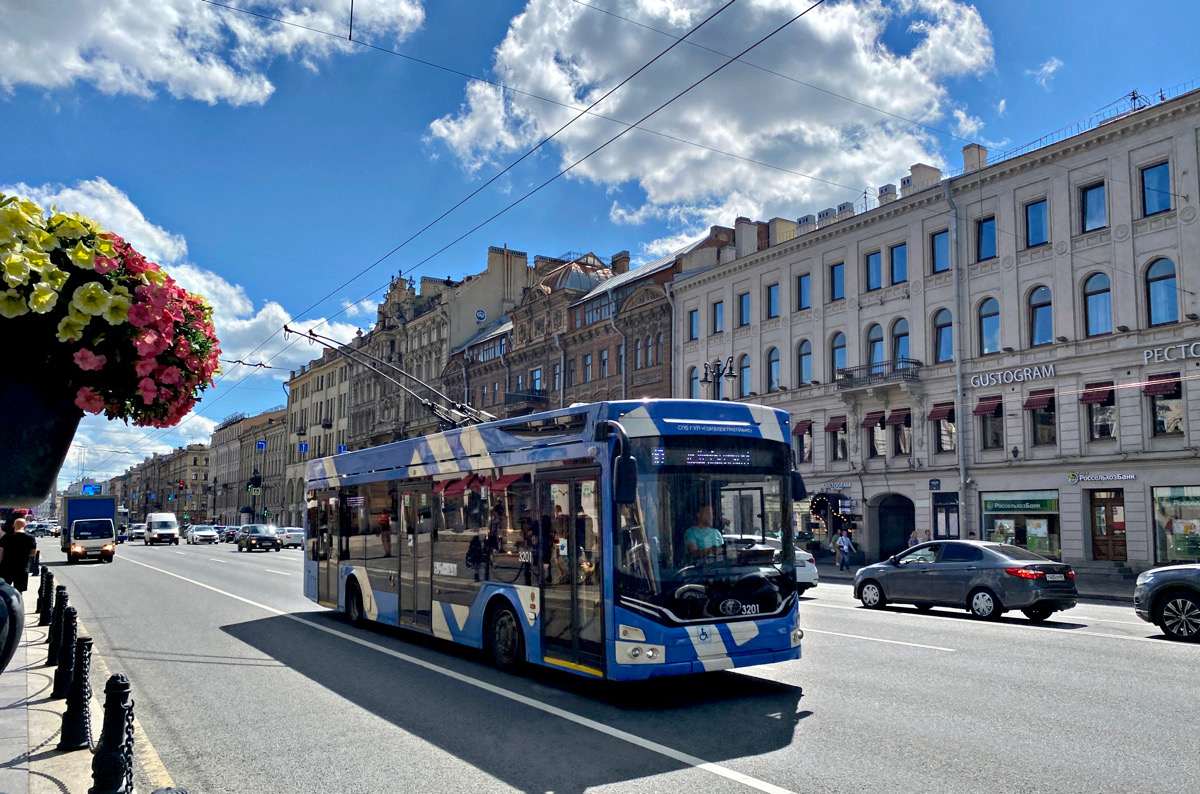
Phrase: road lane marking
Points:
(599, 727)
(181, 552)
(877, 639)
(1107, 620)
(223, 562)
(281, 573)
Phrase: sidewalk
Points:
(30, 721)
(1088, 591)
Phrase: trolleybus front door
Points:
(572, 579)
(416, 564)
(323, 521)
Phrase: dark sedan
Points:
(259, 536)
(1170, 598)
(987, 579)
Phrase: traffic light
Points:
(256, 481)
(181, 485)
(185, 516)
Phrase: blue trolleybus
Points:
(619, 540)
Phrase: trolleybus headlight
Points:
(635, 652)
(651, 653)
(797, 635)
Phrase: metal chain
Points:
(87, 699)
(127, 748)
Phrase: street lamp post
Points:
(715, 371)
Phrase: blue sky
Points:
(265, 165)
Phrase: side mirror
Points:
(893, 560)
(799, 491)
(625, 480)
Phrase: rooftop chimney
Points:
(887, 194)
(620, 262)
(845, 210)
(920, 177)
(745, 236)
(974, 157)
(826, 217)
(780, 230)
(806, 224)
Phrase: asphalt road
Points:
(243, 685)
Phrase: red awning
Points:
(457, 487)
(440, 485)
(1097, 394)
(941, 411)
(502, 482)
(836, 425)
(988, 406)
(1163, 385)
(898, 417)
(801, 427)
(1039, 399)
(873, 419)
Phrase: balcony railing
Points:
(895, 370)
(301, 431)
(327, 423)
(531, 396)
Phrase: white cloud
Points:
(1043, 73)
(572, 54)
(1002, 108)
(966, 125)
(361, 308)
(191, 49)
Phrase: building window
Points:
(1041, 317)
(557, 377)
(803, 292)
(1040, 405)
(943, 336)
(621, 359)
(990, 411)
(939, 252)
(900, 421)
(945, 435)
(835, 438)
(744, 309)
(1097, 305)
(1166, 404)
(718, 317)
(587, 367)
(1162, 305)
(649, 353)
(876, 434)
(900, 343)
(989, 327)
(898, 256)
(637, 354)
(520, 383)
(985, 239)
(604, 363)
(1156, 189)
(744, 376)
(772, 300)
(874, 269)
(1037, 224)
(693, 316)
(571, 372)
(803, 443)
(1102, 411)
(875, 348)
(693, 384)
(658, 349)
(1092, 209)
(773, 370)
(596, 310)
(495, 392)
(804, 363)
(837, 282)
(837, 354)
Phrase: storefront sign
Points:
(835, 486)
(1017, 375)
(1158, 355)
(1020, 505)
(935, 485)
(1075, 478)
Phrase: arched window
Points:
(875, 348)
(1097, 305)
(649, 353)
(744, 376)
(773, 382)
(1041, 317)
(989, 327)
(837, 354)
(900, 343)
(637, 355)
(1161, 302)
(693, 384)
(943, 336)
(804, 363)
(658, 352)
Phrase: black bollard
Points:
(112, 763)
(55, 638)
(47, 608)
(66, 654)
(77, 719)
(42, 590)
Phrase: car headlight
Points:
(1145, 578)
(77, 549)
(108, 547)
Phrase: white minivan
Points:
(161, 528)
(90, 537)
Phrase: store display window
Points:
(1176, 524)
(1028, 519)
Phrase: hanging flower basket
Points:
(90, 326)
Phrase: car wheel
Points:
(1179, 616)
(1038, 613)
(354, 605)
(279, 548)
(176, 541)
(871, 595)
(983, 604)
(506, 643)
(71, 560)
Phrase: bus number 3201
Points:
(525, 556)
(749, 609)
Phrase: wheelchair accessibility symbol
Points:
(704, 636)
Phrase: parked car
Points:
(161, 528)
(806, 572)
(137, 531)
(259, 536)
(1170, 599)
(231, 534)
(292, 537)
(987, 579)
(201, 533)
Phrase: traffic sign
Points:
(256, 491)
(261, 444)
(304, 446)
(341, 448)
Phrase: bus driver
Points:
(703, 539)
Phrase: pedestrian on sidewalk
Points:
(912, 539)
(845, 546)
(17, 549)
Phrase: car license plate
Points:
(1055, 577)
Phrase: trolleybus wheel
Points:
(505, 640)
(354, 605)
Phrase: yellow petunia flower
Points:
(15, 269)
(41, 240)
(37, 260)
(43, 299)
(69, 330)
(119, 289)
(12, 304)
(67, 225)
(104, 247)
(55, 278)
(157, 276)
(82, 256)
(91, 299)
(118, 310)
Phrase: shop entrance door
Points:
(1107, 512)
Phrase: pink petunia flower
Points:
(105, 265)
(86, 399)
(145, 367)
(146, 343)
(148, 390)
(139, 315)
(87, 360)
(170, 376)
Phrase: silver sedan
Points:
(986, 579)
